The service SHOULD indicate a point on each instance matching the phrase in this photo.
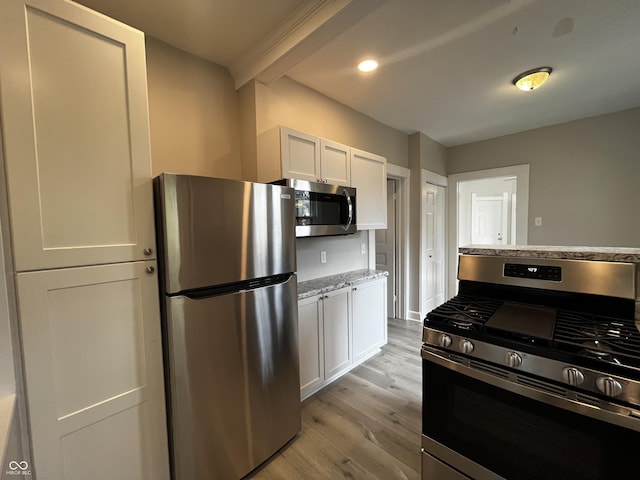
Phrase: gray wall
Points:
(194, 115)
(584, 177)
(343, 254)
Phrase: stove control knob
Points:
(445, 340)
(572, 376)
(466, 346)
(609, 386)
(513, 360)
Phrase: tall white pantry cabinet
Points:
(75, 137)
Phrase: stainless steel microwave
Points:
(323, 209)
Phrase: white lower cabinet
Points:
(93, 368)
(325, 343)
(311, 344)
(338, 330)
(369, 317)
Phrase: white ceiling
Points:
(445, 65)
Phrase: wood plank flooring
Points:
(365, 425)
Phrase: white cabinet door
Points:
(311, 345)
(369, 318)
(369, 177)
(76, 136)
(337, 338)
(300, 155)
(93, 368)
(335, 163)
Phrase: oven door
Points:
(476, 425)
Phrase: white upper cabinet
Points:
(369, 177)
(315, 159)
(335, 163)
(300, 154)
(76, 136)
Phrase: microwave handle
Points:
(350, 205)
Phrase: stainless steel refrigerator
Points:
(228, 262)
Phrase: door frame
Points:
(402, 177)
(521, 172)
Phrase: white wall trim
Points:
(521, 172)
(396, 171)
(427, 176)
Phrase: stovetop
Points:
(577, 336)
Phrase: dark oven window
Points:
(519, 438)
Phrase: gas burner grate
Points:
(613, 340)
(464, 312)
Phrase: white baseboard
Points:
(414, 316)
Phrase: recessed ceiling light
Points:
(532, 79)
(368, 65)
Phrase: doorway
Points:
(392, 244)
(386, 249)
(488, 207)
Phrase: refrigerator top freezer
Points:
(214, 231)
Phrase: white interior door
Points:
(434, 247)
(386, 250)
(489, 220)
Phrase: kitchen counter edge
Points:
(309, 288)
(608, 254)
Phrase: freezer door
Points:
(216, 231)
(233, 377)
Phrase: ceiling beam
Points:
(305, 30)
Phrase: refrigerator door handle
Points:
(350, 207)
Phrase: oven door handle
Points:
(607, 412)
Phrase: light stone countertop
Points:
(309, 288)
(609, 254)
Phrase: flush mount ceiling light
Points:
(532, 79)
(368, 65)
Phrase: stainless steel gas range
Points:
(533, 372)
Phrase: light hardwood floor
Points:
(365, 425)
